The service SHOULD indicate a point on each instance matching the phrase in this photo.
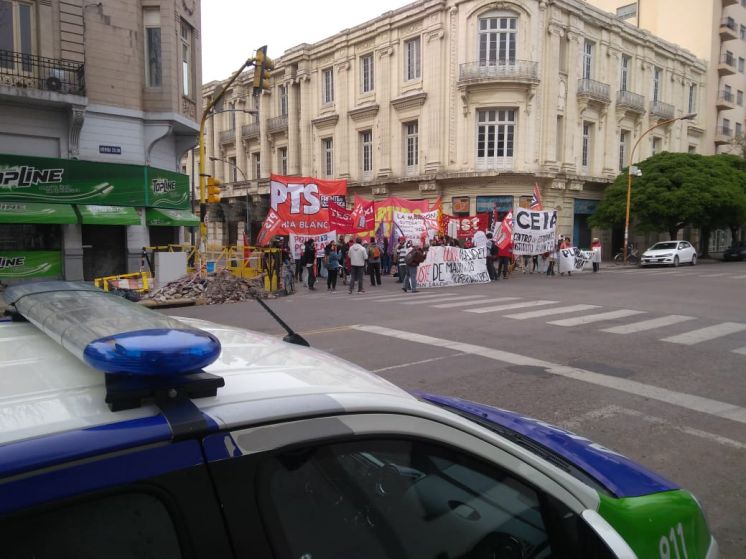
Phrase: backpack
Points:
(375, 252)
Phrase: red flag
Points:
(270, 228)
(340, 219)
(363, 215)
(505, 232)
(301, 202)
(536, 203)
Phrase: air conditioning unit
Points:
(55, 79)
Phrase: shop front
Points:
(76, 220)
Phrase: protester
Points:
(413, 259)
(492, 254)
(385, 258)
(331, 258)
(505, 259)
(342, 270)
(469, 244)
(374, 262)
(565, 243)
(596, 248)
(400, 252)
(357, 255)
(550, 257)
(308, 259)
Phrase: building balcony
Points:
(277, 124)
(727, 3)
(630, 101)
(228, 136)
(30, 72)
(250, 130)
(593, 90)
(727, 65)
(723, 135)
(661, 109)
(516, 71)
(726, 100)
(728, 29)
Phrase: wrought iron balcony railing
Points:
(507, 70)
(594, 90)
(38, 72)
(629, 100)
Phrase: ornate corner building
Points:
(472, 101)
(104, 97)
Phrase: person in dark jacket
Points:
(308, 259)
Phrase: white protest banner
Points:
(534, 231)
(319, 241)
(446, 266)
(414, 227)
(574, 260)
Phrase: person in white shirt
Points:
(358, 255)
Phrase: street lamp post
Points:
(247, 228)
(630, 173)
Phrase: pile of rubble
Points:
(222, 287)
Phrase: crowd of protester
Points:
(349, 261)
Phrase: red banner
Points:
(505, 231)
(467, 226)
(302, 202)
(270, 228)
(363, 215)
(340, 219)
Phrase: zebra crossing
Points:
(696, 272)
(553, 311)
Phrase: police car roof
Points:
(45, 390)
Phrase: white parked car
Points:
(670, 253)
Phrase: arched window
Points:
(497, 39)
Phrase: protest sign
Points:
(319, 241)
(415, 227)
(534, 232)
(464, 227)
(363, 215)
(340, 218)
(446, 266)
(302, 202)
(574, 260)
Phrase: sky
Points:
(230, 33)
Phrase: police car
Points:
(148, 436)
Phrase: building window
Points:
(743, 32)
(726, 127)
(412, 59)
(282, 160)
(497, 40)
(256, 106)
(627, 11)
(186, 59)
(587, 60)
(283, 100)
(623, 139)
(587, 146)
(741, 64)
(495, 137)
(16, 32)
(692, 98)
(327, 86)
(739, 130)
(153, 66)
(692, 148)
(739, 98)
(655, 145)
(366, 73)
(256, 165)
(728, 93)
(327, 147)
(624, 77)
(657, 73)
(366, 154)
(412, 158)
(233, 169)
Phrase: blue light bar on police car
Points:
(110, 333)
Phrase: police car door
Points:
(392, 486)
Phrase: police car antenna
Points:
(292, 337)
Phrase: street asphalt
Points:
(649, 362)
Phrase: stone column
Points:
(264, 139)
(293, 129)
(384, 113)
(304, 118)
(345, 79)
(550, 77)
(436, 86)
(572, 135)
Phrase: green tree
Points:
(677, 190)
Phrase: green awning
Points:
(154, 216)
(31, 212)
(108, 215)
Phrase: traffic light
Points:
(213, 190)
(263, 66)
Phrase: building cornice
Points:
(411, 101)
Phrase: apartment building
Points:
(470, 101)
(98, 103)
(715, 31)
